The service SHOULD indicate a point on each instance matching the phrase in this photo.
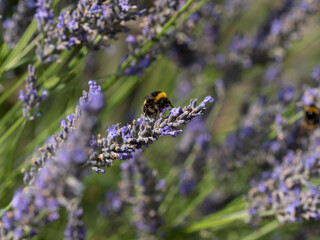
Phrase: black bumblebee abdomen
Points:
(311, 117)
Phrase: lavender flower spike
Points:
(143, 193)
(31, 99)
(89, 23)
(147, 217)
(15, 26)
(122, 142)
(57, 182)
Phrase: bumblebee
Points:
(155, 103)
(311, 117)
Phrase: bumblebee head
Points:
(156, 93)
(162, 100)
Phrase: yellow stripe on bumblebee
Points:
(312, 109)
(159, 96)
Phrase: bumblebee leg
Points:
(170, 103)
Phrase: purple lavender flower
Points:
(15, 26)
(272, 72)
(316, 74)
(126, 191)
(239, 51)
(293, 196)
(130, 39)
(157, 16)
(286, 95)
(187, 183)
(276, 26)
(270, 43)
(282, 27)
(31, 99)
(194, 145)
(195, 51)
(75, 228)
(55, 181)
(112, 203)
(124, 4)
(44, 14)
(145, 203)
(311, 96)
(148, 219)
(81, 26)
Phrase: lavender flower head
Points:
(195, 143)
(122, 142)
(31, 99)
(311, 96)
(44, 14)
(288, 190)
(282, 27)
(15, 26)
(316, 74)
(151, 24)
(145, 203)
(90, 23)
(148, 219)
(75, 228)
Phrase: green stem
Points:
(205, 188)
(11, 130)
(221, 222)
(10, 159)
(17, 61)
(21, 49)
(11, 89)
(263, 231)
(10, 115)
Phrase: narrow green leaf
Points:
(12, 88)
(205, 187)
(268, 228)
(222, 221)
(12, 114)
(11, 130)
(11, 150)
(21, 49)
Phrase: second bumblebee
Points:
(311, 117)
(156, 102)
